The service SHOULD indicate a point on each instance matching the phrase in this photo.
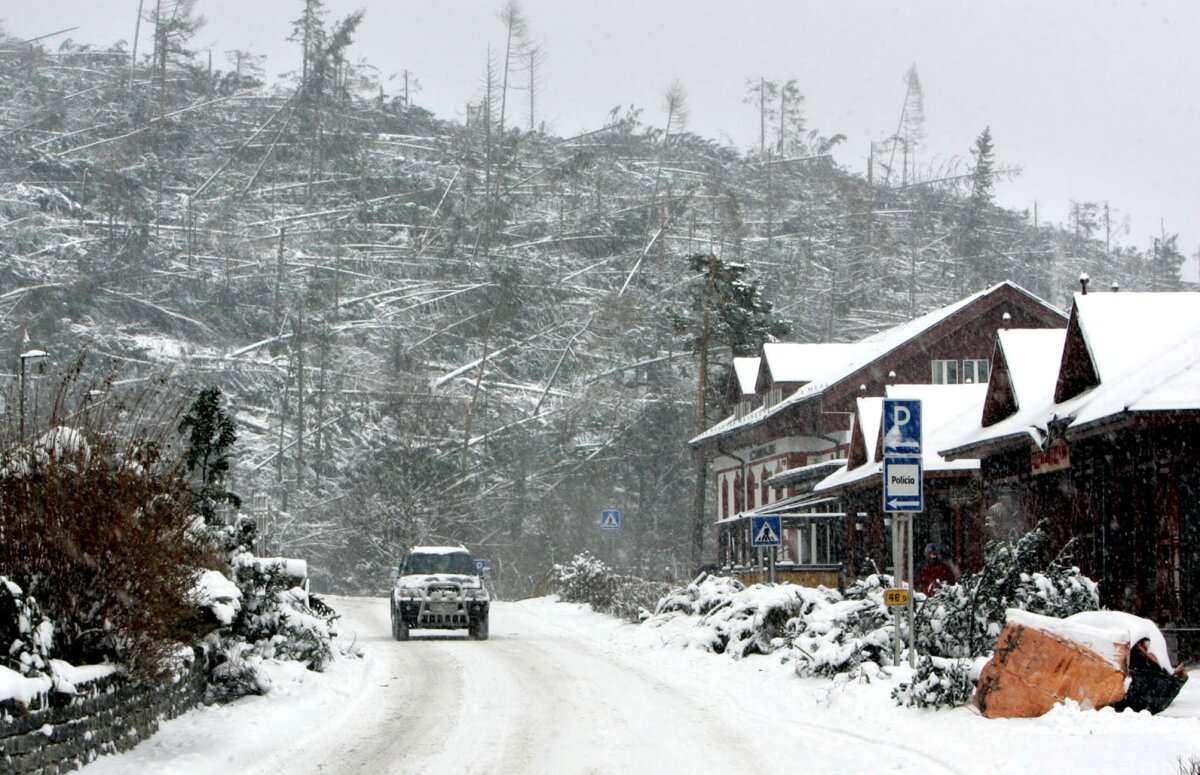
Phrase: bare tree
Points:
(675, 104)
(513, 19)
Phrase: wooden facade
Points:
(814, 423)
(1109, 466)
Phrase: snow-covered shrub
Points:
(276, 618)
(586, 579)
(963, 620)
(704, 595)
(938, 683)
(845, 631)
(218, 597)
(960, 622)
(95, 522)
(26, 636)
(823, 631)
(235, 676)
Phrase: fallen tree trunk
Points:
(1097, 659)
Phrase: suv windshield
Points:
(459, 562)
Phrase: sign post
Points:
(768, 532)
(610, 523)
(903, 496)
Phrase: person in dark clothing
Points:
(934, 571)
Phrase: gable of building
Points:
(954, 339)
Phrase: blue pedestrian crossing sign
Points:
(765, 531)
(481, 566)
(610, 519)
(903, 484)
(901, 426)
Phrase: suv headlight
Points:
(409, 592)
(477, 594)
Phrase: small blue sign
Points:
(903, 484)
(481, 567)
(765, 531)
(610, 519)
(901, 426)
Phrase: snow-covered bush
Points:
(26, 636)
(960, 622)
(845, 631)
(235, 676)
(276, 618)
(963, 620)
(822, 630)
(828, 633)
(96, 522)
(586, 579)
(938, 683)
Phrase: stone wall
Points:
(61, 732)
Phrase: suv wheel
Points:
(399, 626)
(478, 629)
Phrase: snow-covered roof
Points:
(943, 412)
(745, 370)
(855, 357)
(805, 473)
(438, 549)
(792, 362)
(797, 505)
(1145, 348)
(1032, 357)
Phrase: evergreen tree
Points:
(211, 434)
(1166, 260)
(973, 241)
(724, 310)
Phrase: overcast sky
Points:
(1094, 101)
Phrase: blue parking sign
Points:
(901, 426)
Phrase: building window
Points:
(809, 544)
(975, 371)
(945, 372)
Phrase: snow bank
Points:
(22, 688)
(67, 677)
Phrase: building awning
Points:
(806, 505)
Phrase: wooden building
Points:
(796, 427)
(1097, 432)
(951, 519)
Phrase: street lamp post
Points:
(35, 356)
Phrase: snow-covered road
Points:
(559, 689)
(531, 699)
